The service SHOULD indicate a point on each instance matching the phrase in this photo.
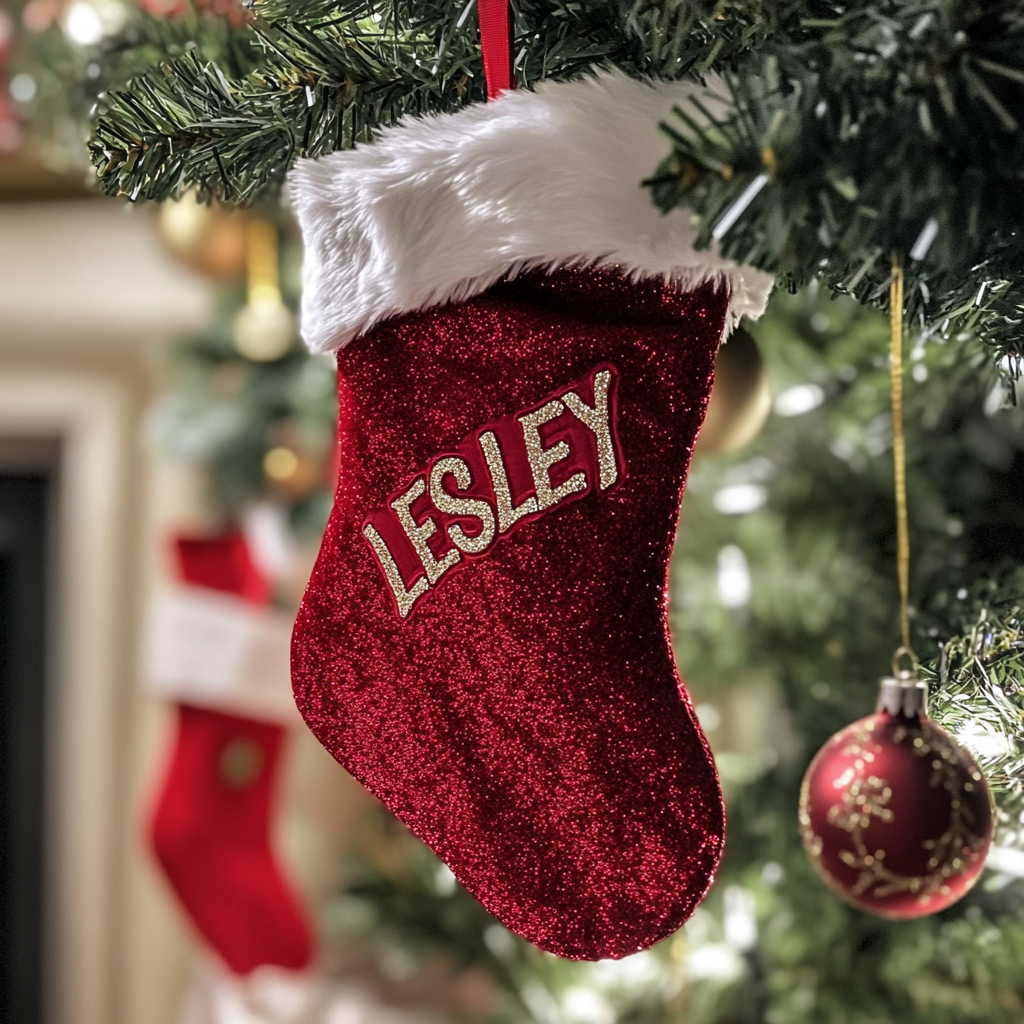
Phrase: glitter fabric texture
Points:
(525, 718)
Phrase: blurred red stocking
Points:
(210, 827)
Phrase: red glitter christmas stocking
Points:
(210, 826)
(483, 642)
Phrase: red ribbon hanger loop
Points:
(496, 43)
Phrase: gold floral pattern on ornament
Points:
(865, 798)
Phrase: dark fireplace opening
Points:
(26, 496)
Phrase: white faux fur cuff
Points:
(440, 208)
(217, 651)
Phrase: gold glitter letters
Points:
(405, 599)
(542, 459)
(598, 421)
(419, 532)
(582, 440)
(508, 513)
(448, 503)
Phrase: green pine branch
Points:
(871, 125)
(978, 685)
(335, 71)
(69, 77)
(894, 119)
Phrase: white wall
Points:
(86, 295)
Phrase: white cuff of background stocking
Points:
(218, 651)
(440, 208)
(271, 995)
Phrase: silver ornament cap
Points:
(903, 693)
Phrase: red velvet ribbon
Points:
(496, 43)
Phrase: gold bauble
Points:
(740, 400)
(293, 472)
(264, 331)
(210, 239)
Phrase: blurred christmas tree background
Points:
(784, 605)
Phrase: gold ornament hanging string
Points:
(899, 450)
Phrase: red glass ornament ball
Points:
(896, 816)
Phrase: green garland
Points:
(868, 128)
(871, 128)
(335, 71)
